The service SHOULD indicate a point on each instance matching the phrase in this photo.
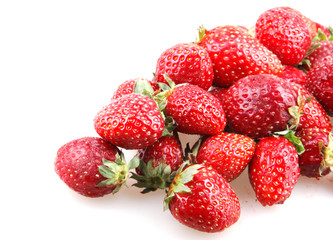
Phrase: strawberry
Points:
(312, 26)
(236, 54)
(131, 122)
(202, 199)
(194, 110)
(91, 166)
(293, 74)
(127, 87)
(227, 153)
(274, 170)
(317, 160)
(320, 83)
(257, 105)
(285, 33)
(186, 63)
(158, 162)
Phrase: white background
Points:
(60, 62)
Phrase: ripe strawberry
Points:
(158, 162)
(194, 110)
(131, 122)
(317, 160)
(320, 83)
(308, 113)
(236, 54)
(186, 63)
(257, 105)
(91, 166)
(127, 87)
(312, 26)
(285, 33)
(227, 153)
(274, 170)
(293, 74)
(202, 199)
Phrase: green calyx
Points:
(327, 152)
(321, 36)
(297, 111)
(184, 175)
(116, 172)
(290, 135)
(143, 87)
(153, 177)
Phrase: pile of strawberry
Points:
(259, 98)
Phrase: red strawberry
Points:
(131, 122)
(127, 87)
(236, 54)
(227, 153)
(202, 199)
(274, 170)
(194, 110)
(91, 166)
(317, 160)
(285, 33)
(186, 63)
(257, 105)
(293, 74)
(320, 83)
(157, 163)
(311, 113)
(312, 26)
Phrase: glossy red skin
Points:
(211, 206)
(186, 63)
(166, 150)
(236, 54)
(320, 84)
(128, 86)
(320, 53)
(131, 122)
(257, 105)
(195, 110)
(274, 170)
(313, 26)
(310, 160)
(227, 153)
(285, 33)
(293, 74)
(77, 165)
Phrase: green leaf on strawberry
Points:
(178, 183)
(116, 172)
